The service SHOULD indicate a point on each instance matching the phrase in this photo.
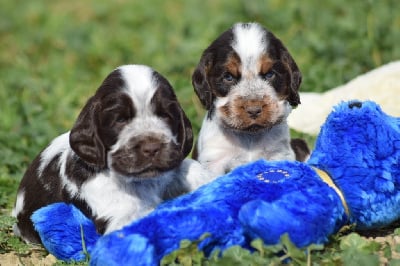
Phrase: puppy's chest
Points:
(221, 152)
(223, 155)
(119, 204)
(239, 154)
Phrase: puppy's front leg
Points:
(188, 177)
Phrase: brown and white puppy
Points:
(248, 83)
(124, 155)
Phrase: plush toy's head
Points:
(359, 147)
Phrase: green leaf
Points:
(258, 244)
(359, 251)
(187, 254)
(397, 248)
(355, 241)
(293, 252)
(387, 251)
(356, 258)
(397, 232)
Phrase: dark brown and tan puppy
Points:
(248, 83)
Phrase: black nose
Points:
(357, 104)
(150, 149)
(253, 111)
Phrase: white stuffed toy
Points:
(381, 85)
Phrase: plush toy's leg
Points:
(65, 232)
(120, 249)
(165, 230)
(305, 221)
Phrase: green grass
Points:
(54, 55)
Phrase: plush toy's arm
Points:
(65, 232)
(152, 237)
(308, 216)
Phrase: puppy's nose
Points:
(253, 111)
(150, 149)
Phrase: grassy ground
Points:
(54, 54)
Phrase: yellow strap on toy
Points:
(327, 179)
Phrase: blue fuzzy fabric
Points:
(359, 147)
(61, 227)
(164, 230)
(119, 249)
(300, 197)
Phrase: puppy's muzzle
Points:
(150, 148)
(253, 111)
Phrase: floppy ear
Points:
(291, 68)
(84, 138)
(165, 101)
(185, 134)
(200, 82)
(295, 77)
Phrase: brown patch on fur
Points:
(250, 114)
(265, 64)
(233, 64)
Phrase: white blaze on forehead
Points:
(140, 84)
(249, 43)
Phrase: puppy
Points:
(248, 83)
(124, 155)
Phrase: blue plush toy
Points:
(352, 177)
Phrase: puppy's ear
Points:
(200, 82)
(84, 138)
(166, 103)
(291, 68)
(185, 135)
(295, 77)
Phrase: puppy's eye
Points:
(122, 119)
(268, 76)
(228, 77)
